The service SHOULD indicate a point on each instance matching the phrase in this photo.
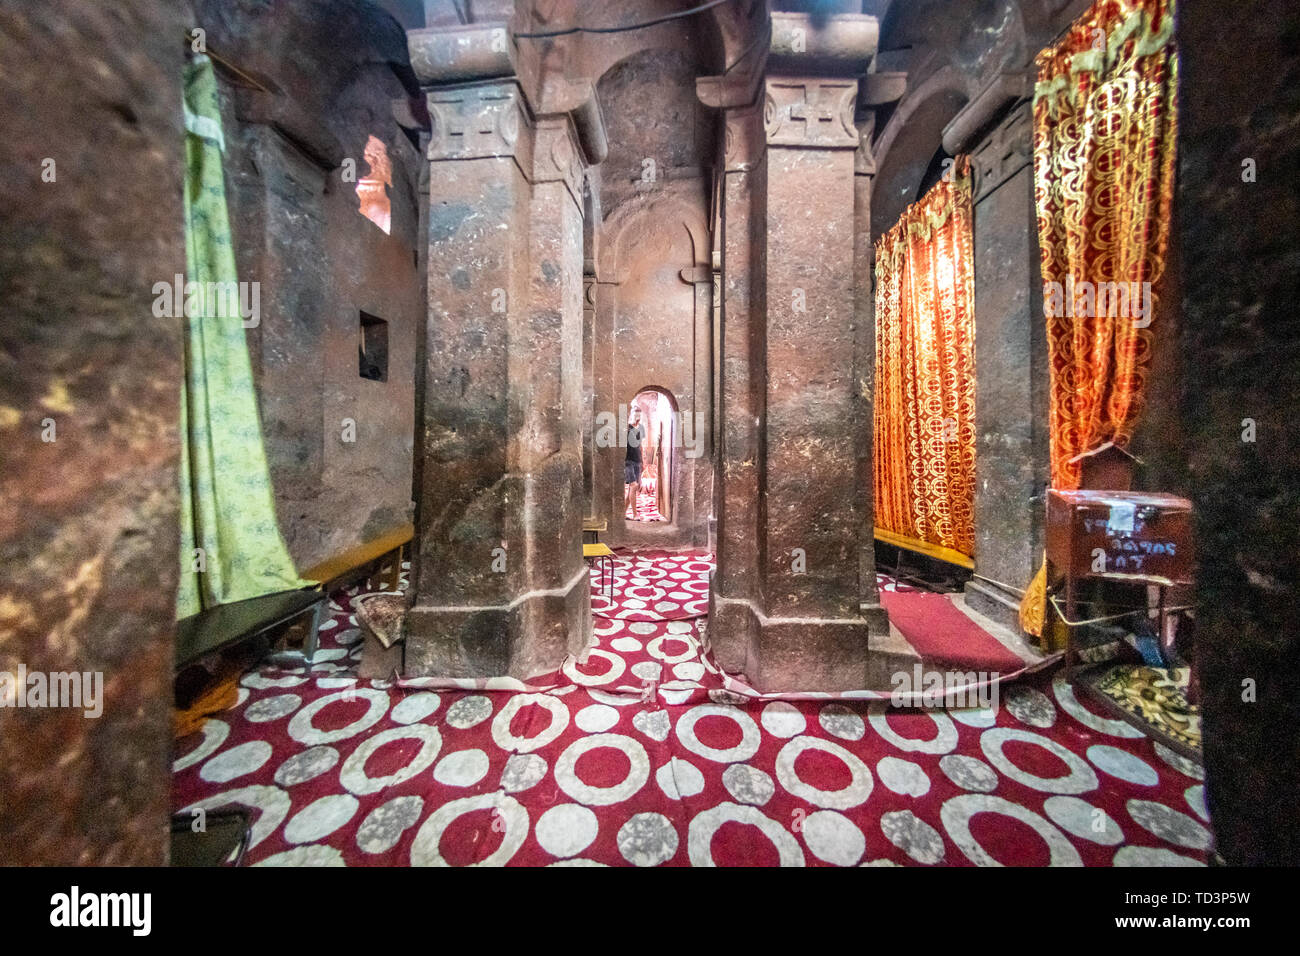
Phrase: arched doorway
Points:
(652, 438)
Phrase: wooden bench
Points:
(221, 627)
(385, 552)
(225, 625)
(593, 527)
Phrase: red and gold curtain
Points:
(1105, 124)
(925, 369)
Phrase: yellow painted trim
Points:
(924, 547)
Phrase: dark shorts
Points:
(631, 472)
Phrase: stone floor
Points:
(642, 757)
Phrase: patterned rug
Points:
(1156, 695)
(652, 584)
(642, 757)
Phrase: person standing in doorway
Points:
(632, 463)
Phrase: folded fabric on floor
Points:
(1155, 695)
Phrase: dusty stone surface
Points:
(88, 521)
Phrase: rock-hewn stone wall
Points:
(89, 402)
(1239, 345)
(295, 152)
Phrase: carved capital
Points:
(835, 45)
(478, 120)
(810, 112)
(1008, 149)
(743, 139)
(987, 107)
(557, 155)
(474, 51)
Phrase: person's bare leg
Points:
(629, 501)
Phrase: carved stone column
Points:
(589, 392)
(794, 541)
(735, 585)
(500, 587)
(864, 346)
(696, 488)
(607, 479)
(1011, 454)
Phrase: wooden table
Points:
(593, 527)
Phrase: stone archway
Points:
(652, 320)
(908, 145)
(661, 454)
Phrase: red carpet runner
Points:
(639, 757)
(944, 636)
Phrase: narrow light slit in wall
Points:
(372, 189)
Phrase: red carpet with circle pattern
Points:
(641, 757)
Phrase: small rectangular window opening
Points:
(373, 348)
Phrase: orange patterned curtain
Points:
(1105, 123)
(925, 369)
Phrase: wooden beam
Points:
(937, 551)
(353, 558)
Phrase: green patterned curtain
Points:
(231, 548)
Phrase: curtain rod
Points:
(189, 41)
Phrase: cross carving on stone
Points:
(810, 113)
(461, 130)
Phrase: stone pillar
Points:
(89, 409)
(277, 178)
(500, 587)
(1011, 453)
(794, 540)
(589, 393)
(864, 351)
(734, 589)
(1236, 342)
(607, 479)
(696, 489)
